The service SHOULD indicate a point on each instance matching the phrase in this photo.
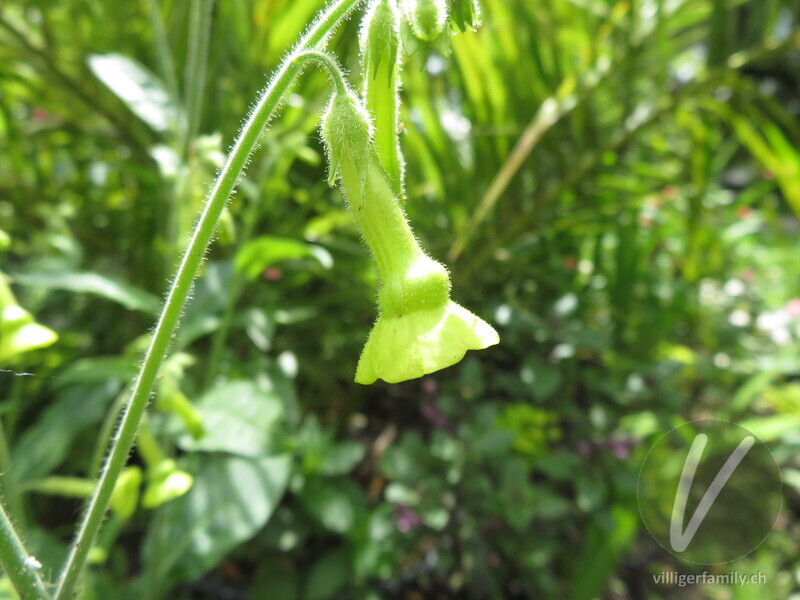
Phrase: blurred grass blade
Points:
(141, 91)
(127, 295)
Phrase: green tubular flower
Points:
(419, 329)
(380, 47)
(409, 346)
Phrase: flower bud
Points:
(380, 39)
(427, 18)
(380, 43)
(346, 131)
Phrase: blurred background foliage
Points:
(614, 184)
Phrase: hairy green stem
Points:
(236, 285)
(19, 566)
(10, 486)
(327, 62)
(122, 443)
(106, 430)
(244, 235)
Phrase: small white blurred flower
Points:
(781, 336)
(722, 360)
(734, 287)
(772, 320)
(711, 292)
(776, 324)
(562, 351)
(740, 318)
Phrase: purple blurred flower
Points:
(431, 412)
(405, 518)
(619, 447)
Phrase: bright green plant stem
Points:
(10, 487)
(19, 566)
(121, 445)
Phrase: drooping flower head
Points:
(419, 329)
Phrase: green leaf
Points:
(399, 493)
(98, 369)
(275, 579)
(45, 445)
(328, 575)
(406, 460)
(752, 389)
(550, 505)
(341, 458)
(18, 331)
(334, 504)
(260, 328)
(605, 541)
(68, 487)
(517, 495)
(791, 477)
(232, 498)
(141, 91)
(237, 417)
(265, 251)
(772, 428)
(19, 334)
(435, 517)
(127, 295)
